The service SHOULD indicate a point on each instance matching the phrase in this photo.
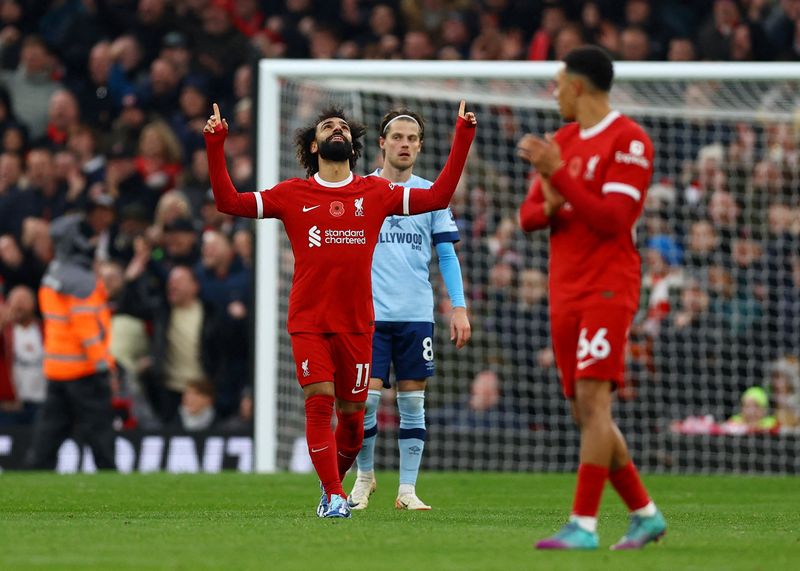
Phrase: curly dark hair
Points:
(304, 136)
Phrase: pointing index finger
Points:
(216, 114)
(461, 108)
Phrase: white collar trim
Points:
(601, 126)
(339, 184)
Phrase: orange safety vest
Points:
(77, 333)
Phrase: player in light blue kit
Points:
(403, 299)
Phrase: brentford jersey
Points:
(615, 157)
(333, 229)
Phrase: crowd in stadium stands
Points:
(102, 105)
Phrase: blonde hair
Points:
(171, 151)
(172, 204)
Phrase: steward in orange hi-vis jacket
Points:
(77, 361)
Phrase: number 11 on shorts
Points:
(362, 375)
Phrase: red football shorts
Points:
(343, 358)
(589, 343)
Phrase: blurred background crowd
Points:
(102, 104)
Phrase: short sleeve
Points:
(444, 228)
(271, 203)
(631, 165)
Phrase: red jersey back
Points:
(333, 229)
(614, 156)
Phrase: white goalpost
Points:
(728, 158)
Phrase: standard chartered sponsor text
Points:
(349, 236)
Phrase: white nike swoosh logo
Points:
(355, 392)
(319, 449)
(583, 364)
(307, 208)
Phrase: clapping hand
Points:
(543, 154)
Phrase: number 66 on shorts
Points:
(590, 344)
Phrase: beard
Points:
(336, 151)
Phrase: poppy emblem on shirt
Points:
(337, 208)
(575, 165)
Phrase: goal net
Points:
(720, 307)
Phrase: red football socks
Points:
(589, 491)
(628, 484)
(321, 443)
(349, 437)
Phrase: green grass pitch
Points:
(479, 521)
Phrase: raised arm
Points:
(437, 197)
(227, 199)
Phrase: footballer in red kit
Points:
(595, 270)
(589, 189)
(333, 219)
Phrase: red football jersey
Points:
(614, 160)
(333, 229)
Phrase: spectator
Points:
(785, 389)
(417, 45)
(47, 197)
(456, 33)
(10, 186)
(219, 48)
(21, 332)
(126, 184)
(31, 85)
(569, 37)
(701, 247)
(681, 49)
(780, 27)
(19, 266)
(324, 42)
(63, 116)
(12, 24)
(82, 142)
(77, 363)
(754, 415)
(242, 421)
(195, 184)
(177, 344)
(160, 90)
(714, 38)
(8, 119)
(127, 57)
(485, 408)
(635, 44)
(196, 412)
(225, 287)
(188, 122)
(159, 158)
(97, 104)
(247, 17)
(553, 18)
(175, 51)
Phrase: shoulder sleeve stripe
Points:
(446, 237)
(259, 205)
(622, 188)
(406, 196)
